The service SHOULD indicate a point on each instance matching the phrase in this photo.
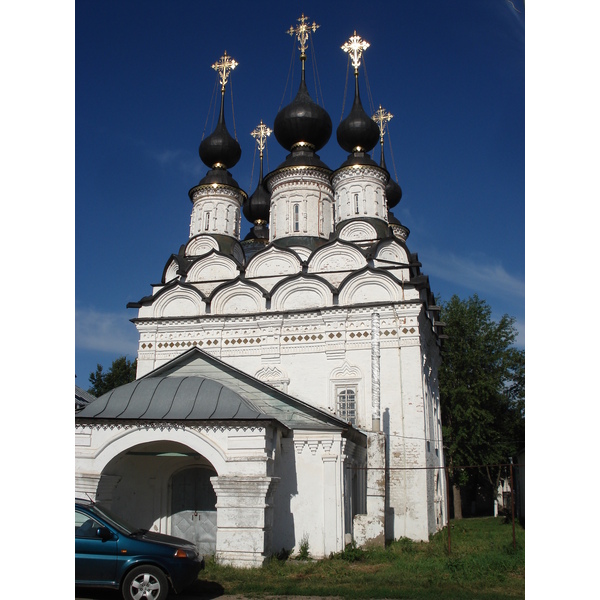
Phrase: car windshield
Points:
(117, 522)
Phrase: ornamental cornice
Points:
(216, 190)
(410, 341)
(308, 175)
(313, 445)
(358, 172)
(267, 319)
(217, 427)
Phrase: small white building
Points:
(287, 383)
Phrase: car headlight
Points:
(181, 553)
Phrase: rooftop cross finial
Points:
(382, 118)
(223, 66)
(355, 46)
(302, 32)
(260, 134)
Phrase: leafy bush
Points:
(352, 553)
(303, 553)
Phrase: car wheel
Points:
(145, 582)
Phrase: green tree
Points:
(121, 371)
(482, 392)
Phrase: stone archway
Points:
(137, 484)
(194, 507)
(130, 469)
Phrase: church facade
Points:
(287, 387)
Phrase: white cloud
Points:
(167, 157)
(105, 332)
(177, 159)
(480, 275)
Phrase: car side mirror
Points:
(104, 533)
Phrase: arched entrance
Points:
(164, 486)
(193, 507)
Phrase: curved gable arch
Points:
(358, 230)
(338, 256)
(273, 261)
(238, 297)
(170, 272)
(178, 301)
(391, 250)
(302, 292)
(390, 255)
(302, 252)
(201, 244)
(213, 266)
(369, 286)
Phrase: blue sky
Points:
(451, 73)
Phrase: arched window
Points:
(296, 217)
(356, 204)
(206, 220)
(346, 404)
(345, 389)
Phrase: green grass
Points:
(482, 565)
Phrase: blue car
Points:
(110, 553)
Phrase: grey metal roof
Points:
(172, 398)
(82, 398)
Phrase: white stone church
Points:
(287, 388)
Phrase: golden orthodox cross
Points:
(223, 66)
(260, 134)
(355, 47)
(302, 32)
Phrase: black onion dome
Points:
(219, 149)
(302, 121)
(256, 208)
(393, 193)
(357, 132)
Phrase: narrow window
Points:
(346, 404)
(236, 223)
(296, 218)
(206, 221)
(356, 206)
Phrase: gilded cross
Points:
(355, 46)
(382, 117)
(302, 31)
(223, 66)
(260, 134)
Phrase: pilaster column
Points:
(244, 519)
(86, 485)
(332, 515)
